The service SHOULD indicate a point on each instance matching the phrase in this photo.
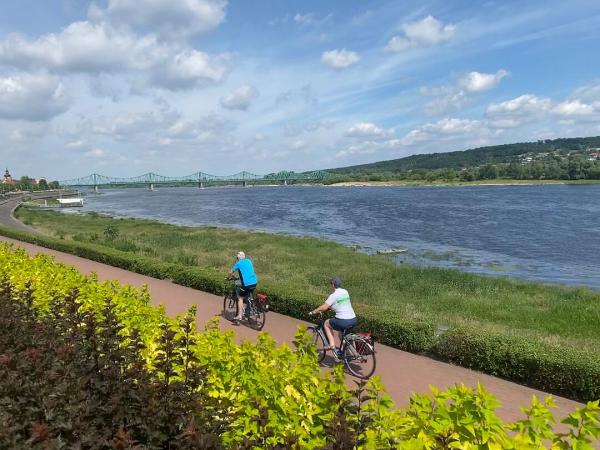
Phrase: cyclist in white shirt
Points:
(339, 301)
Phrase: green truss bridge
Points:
(199, 178)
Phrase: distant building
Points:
(8, 178)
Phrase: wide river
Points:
(543, 233)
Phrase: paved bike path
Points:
(402, 373)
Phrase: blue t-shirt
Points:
(246, 271)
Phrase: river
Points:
(548, 233)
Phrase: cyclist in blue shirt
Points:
(247, 281)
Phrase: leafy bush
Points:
(85, 364)
(552, 368)
(72, 379)
(111, 233)
(561, 370)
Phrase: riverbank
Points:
(544, 336)
(402, 373)
(498, 182)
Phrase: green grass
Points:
(550, 314)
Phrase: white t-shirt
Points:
(339, 301)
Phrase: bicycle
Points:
(357, 350)
(255, 309)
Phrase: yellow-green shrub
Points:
(261, 395)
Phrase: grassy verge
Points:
(543, 336)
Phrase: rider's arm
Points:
(324, 307)
(232, 270)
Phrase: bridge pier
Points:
(151, 187)
(200, 184)
(244, 183)
(96, 190)
(285, 182)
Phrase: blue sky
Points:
(122, 87)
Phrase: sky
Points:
(124, 87)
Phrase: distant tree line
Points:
(26, 183)
(478, 157)
(575, 167)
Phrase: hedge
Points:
(560, 370)
(89, 364)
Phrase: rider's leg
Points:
(329, 333)
(240, 297)
(240, 307)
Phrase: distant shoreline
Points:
(403, 183)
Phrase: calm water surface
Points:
(543, 233)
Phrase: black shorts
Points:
(243, 291)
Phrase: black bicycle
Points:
(255, 308)
(357, 350)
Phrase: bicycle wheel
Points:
(360, 364)
(230, 309)
(257, 318)
(320, 343)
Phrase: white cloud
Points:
(84, 47)
(528, 103)
(25, 133)
(481, 82)
(192, 68)
(95, 153)
(127, 126)
(294, 129)
(339, 59)
(95, 48)
(588, 93)
(208, 128)
(32, 97)
(447, 128)
(312, 19)
(298, 144)
(422, 33)
(169, 19)
(447, 134)
(240, 99)
(368, 129)
(570, 108)
(457, 97)
(369, 147)
(75, 144)
(445, 99)
(518, 111)
(582, 107)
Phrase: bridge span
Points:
(200, 179)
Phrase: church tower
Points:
(7, 178)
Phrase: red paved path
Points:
(401, 372)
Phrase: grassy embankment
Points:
(491, 320)
(447, 297)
